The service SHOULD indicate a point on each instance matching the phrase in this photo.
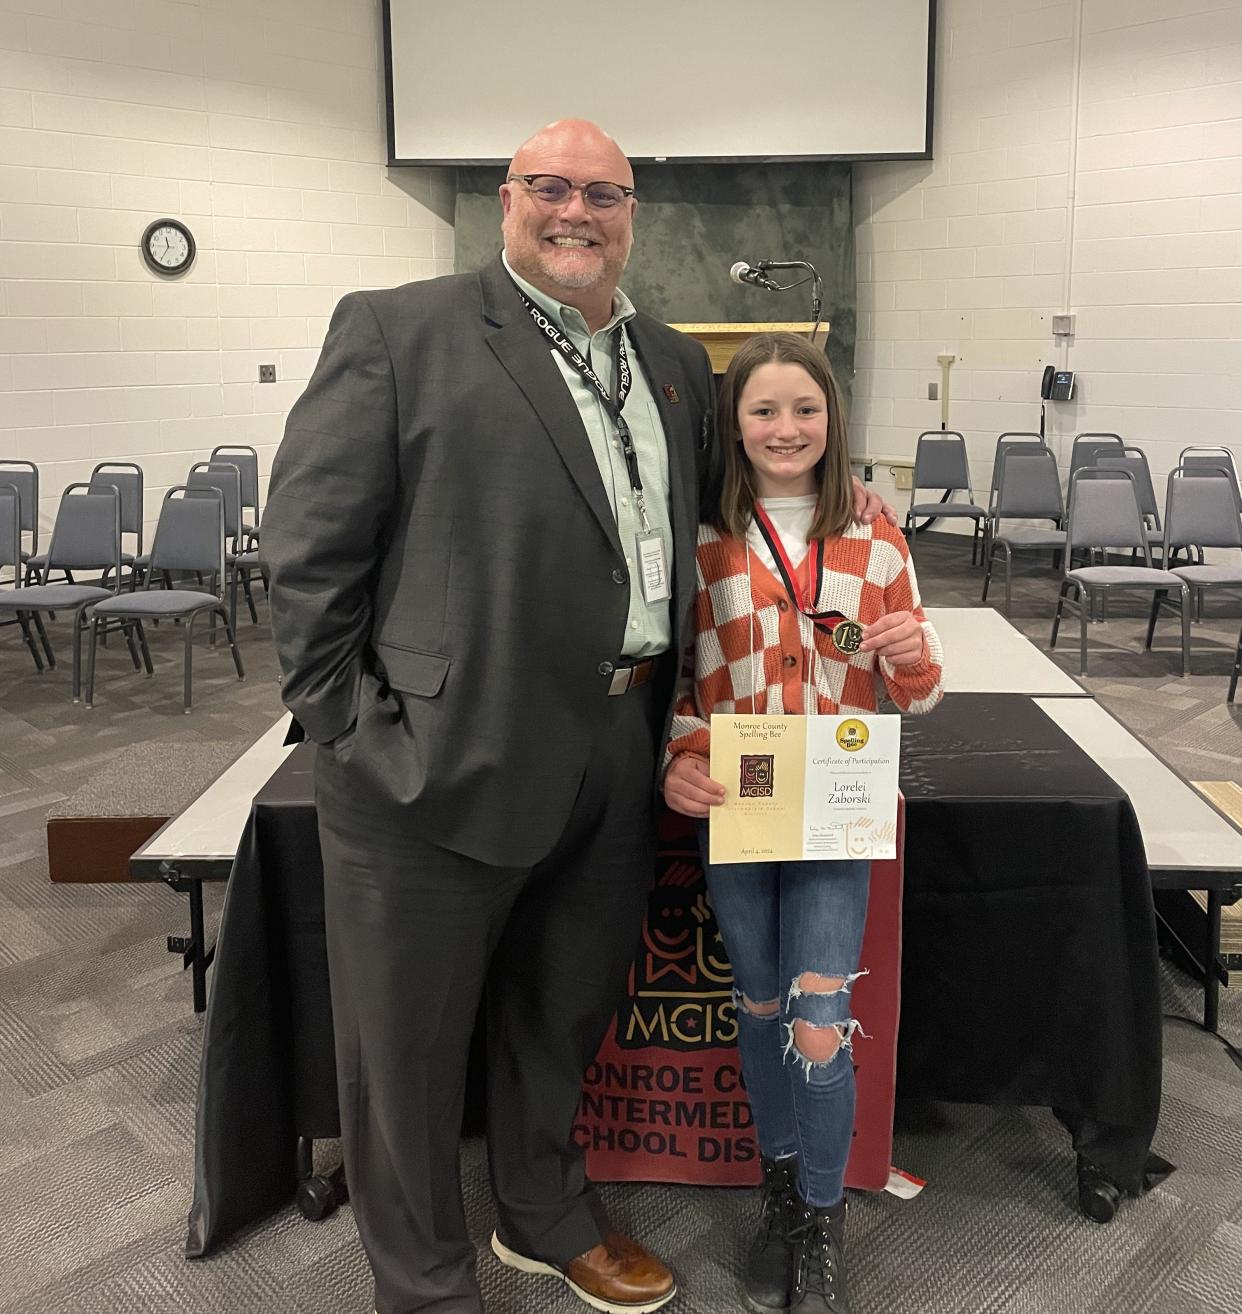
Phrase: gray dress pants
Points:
(417, 936)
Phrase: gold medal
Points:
(847, 636)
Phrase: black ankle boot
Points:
(819, 1282)
(770, 1256)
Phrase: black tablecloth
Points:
(1029, 967)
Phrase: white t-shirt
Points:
(791, 518)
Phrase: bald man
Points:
(480, 532)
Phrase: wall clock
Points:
(168, 246)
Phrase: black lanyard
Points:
(612, 404)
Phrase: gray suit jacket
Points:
(446, 578)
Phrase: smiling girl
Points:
(799, 611)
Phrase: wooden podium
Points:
(722, 340)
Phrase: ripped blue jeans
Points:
(780, 921)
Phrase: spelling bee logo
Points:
(757, 776)
(852, 735)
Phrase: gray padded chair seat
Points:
(51, 597)
(1032, 536)
(157, 602)
(1208, 574)
(948, 509)
(244, 559)
(1139, 576)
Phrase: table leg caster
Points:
(319, 1196)
(1097, 1196)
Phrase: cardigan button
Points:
(782, 604)
(791, 660)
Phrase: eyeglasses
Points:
(552, 189)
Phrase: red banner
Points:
(664, 1100)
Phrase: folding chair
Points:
(1104, 513)
(1134, 459)
(189, 537)
(1201, 512)
(86, 536)
(1011, 441)
(11, 558)
(1028, 488)
(940, 462)
(1193, 460)
(246, 459)
(24, 476)
(1088, 447)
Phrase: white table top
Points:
(1181, 830)
(212, 825)
(984, 653)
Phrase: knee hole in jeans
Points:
(767, 1008)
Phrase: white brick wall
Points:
(967, 254)
(259, 123)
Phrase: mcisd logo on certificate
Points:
(837, 795)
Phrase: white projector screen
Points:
(709, 80)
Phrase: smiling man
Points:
(480, 532)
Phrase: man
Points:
(480, 532)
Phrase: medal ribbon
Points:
(821, 619)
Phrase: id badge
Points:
(652, 566)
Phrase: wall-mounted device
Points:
(1057, 385)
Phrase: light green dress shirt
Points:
(648, 629)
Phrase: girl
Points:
(780, 565)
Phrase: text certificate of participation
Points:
(799, 787)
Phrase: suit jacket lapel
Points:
(678, 419)
(527, 356)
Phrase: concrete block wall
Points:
(1088, 158)
(258, 123)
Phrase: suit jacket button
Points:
(618, 576)
(605, 668)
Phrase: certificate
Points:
(803, 787)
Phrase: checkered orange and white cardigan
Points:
(867, 574)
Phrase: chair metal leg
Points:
(1237, 670)
(232, 637)
(1008, 578)
(1056, 620)
(127, 628)
(79, 624)
(146, 652)
(989, 557)
(1083, 595)
(90, 662)
(1185, 631)
(188, 663)
(23, 619)
(254, 614)
(1157, 598)
(47, 647)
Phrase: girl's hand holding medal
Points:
(897, 636)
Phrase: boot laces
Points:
(820, 1257)
(779, 1208)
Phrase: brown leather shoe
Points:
(617, 1276)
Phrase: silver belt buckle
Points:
(621, 678)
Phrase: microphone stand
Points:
(817, 284)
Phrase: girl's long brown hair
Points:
(730, 503)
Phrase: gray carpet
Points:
(99, 1052)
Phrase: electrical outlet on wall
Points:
(933, 392)
(267, 373)
(903, 478)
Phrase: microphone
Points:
(743, 273)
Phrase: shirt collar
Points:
(570, 317)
